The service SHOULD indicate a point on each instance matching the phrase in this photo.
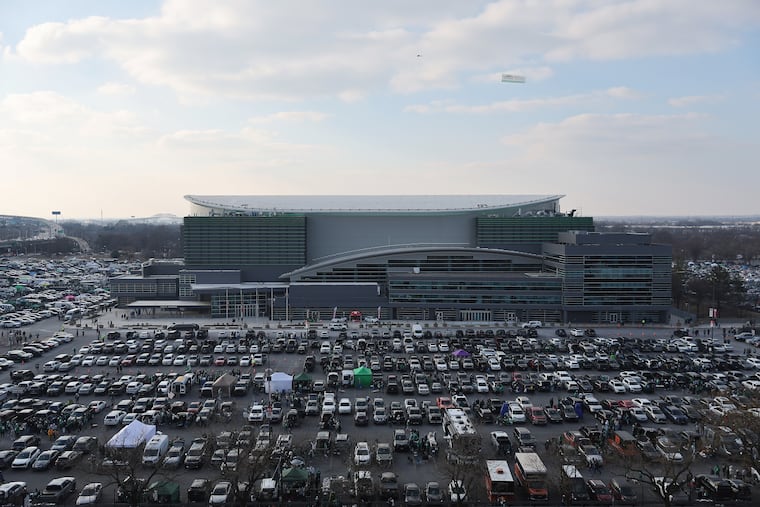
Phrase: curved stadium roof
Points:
(367, 203)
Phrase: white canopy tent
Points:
(132, 435)
(281, 383)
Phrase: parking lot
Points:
(474, 367)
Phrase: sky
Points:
(629, 107)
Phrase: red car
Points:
(537, 416)
(599, 491)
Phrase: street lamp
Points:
(56, 214)
(268, 374)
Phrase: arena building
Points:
(446, 257)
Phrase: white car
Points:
(641, 402)
(617, 386)
(114, 418)
(25, 458)
(362, 454)
(328, 405)
(134, 387)
(481, 385)
(655, 414)
(632, 384)
(344, 406)
(516, 413)
(576, 332)
(220, 495)
(256, 413)
(97, 406)
(90, 494)
(638, 414)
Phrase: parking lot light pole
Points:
(269, 386)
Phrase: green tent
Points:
(302, 381)
(163, 492)
(294, 475)
(362, 377)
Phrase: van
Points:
(417, 331)
(712, 487)
(347, 378)
(524, 437)
(86, 444)
(573, 485)
(181, 385)
(268, 489)
(155, 450)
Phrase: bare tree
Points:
(247, 462)
(122, 467)
(666, 479)
(470, 473)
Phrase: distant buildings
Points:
(487, 257)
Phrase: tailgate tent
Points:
(362, 377)
(132, 435)
(280, 383)
(223, 385)
(302, 381)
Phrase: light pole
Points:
(268, 374)
(56, 214)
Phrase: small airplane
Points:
(512, 78)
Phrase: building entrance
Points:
(475, 315)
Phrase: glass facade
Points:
(496, 232)
(244, 240)
(523, 291)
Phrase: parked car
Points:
(58, 490)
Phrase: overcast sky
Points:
(637, 107)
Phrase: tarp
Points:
(281, 383)
(163, 492)
(362, 376)
(132, 435)
(223, 385)
(294, 475)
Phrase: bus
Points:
(500, 486)
(464, 441)
(530, 473)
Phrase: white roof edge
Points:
(369, 203)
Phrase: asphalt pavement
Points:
(409, 470)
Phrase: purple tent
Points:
(460, 353)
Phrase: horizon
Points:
(627, 107)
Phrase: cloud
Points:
(627, 162)
(522, 105)
(623, 92)
(291, 51)
(55, 113)
(290, 116)
(690, 100)
(112, 88)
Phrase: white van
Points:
(417, 331)
(155, 450)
